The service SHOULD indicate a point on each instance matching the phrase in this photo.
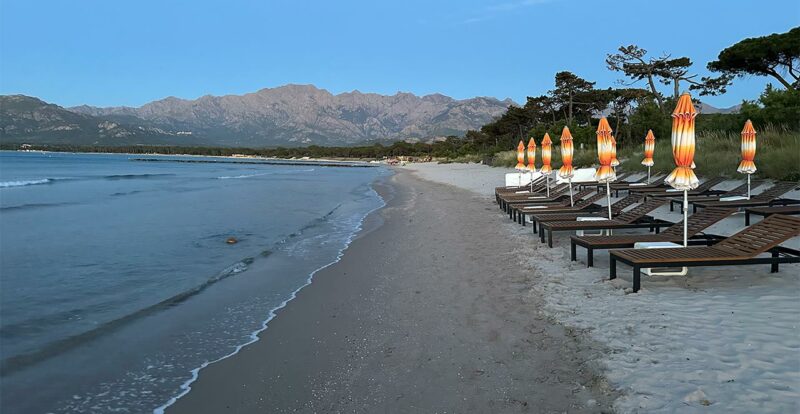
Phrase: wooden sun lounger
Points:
(657, 183)
(633, 218)
(695, 225)
(588, 210)
(498, 191)
(743, 248)
(556, 194)
(516, 211)
(768, 211)
(520, 191)
(738, 191)
(704, 188)
(620, 180)
(769, 197)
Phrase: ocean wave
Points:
(230, 177)
(23, 183)
(17, 362)
(233, 177)
(134, 176)
(22, 207)
(186, 387)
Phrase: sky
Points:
(121, 52)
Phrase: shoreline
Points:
(244, 159)
(365, 226)
(360, 332)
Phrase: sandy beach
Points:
(429, 310)
(445, 305)
(721, 339)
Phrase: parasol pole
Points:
(648, 174)
(685, 217)
(608, 194)
(547, 184)
(748, 186)
(571, 201)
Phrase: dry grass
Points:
(718, 154)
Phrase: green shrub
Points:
(718, 154)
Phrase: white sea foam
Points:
(233, 177)
(254, 336)
(23, 183)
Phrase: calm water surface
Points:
(116, 280)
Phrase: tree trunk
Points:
(570, 108)
(676, 83)
(655, 91)
(780, 79)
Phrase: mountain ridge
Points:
(288, 115)
(304, 114)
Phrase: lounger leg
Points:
(541, 233)
(694, 208)
(671, 206)
(522, 219)
(589, 257)
(534, 224)
(637, 278)
(550, 238)
(746, 218)
(572, 252)
(612, 267)
(774, 267)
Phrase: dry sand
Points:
(431, 311)
(720, 340)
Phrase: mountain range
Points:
(291, 115)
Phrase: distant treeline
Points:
(632, 111)
(575, 102)
(449, 148)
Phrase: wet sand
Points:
(429, 311)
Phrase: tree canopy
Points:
(776, 55)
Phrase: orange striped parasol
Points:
(748, 166)
(566, 170)
(532, 155)
(683, 146)
(614, 160)
(547, 148)
(649, 149)
(605, 174)
(520, 157)
(567, 149)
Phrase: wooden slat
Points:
(640, 211)
(748, 243)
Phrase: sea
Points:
(120, 278)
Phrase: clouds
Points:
(513, 5)
(491, 11)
